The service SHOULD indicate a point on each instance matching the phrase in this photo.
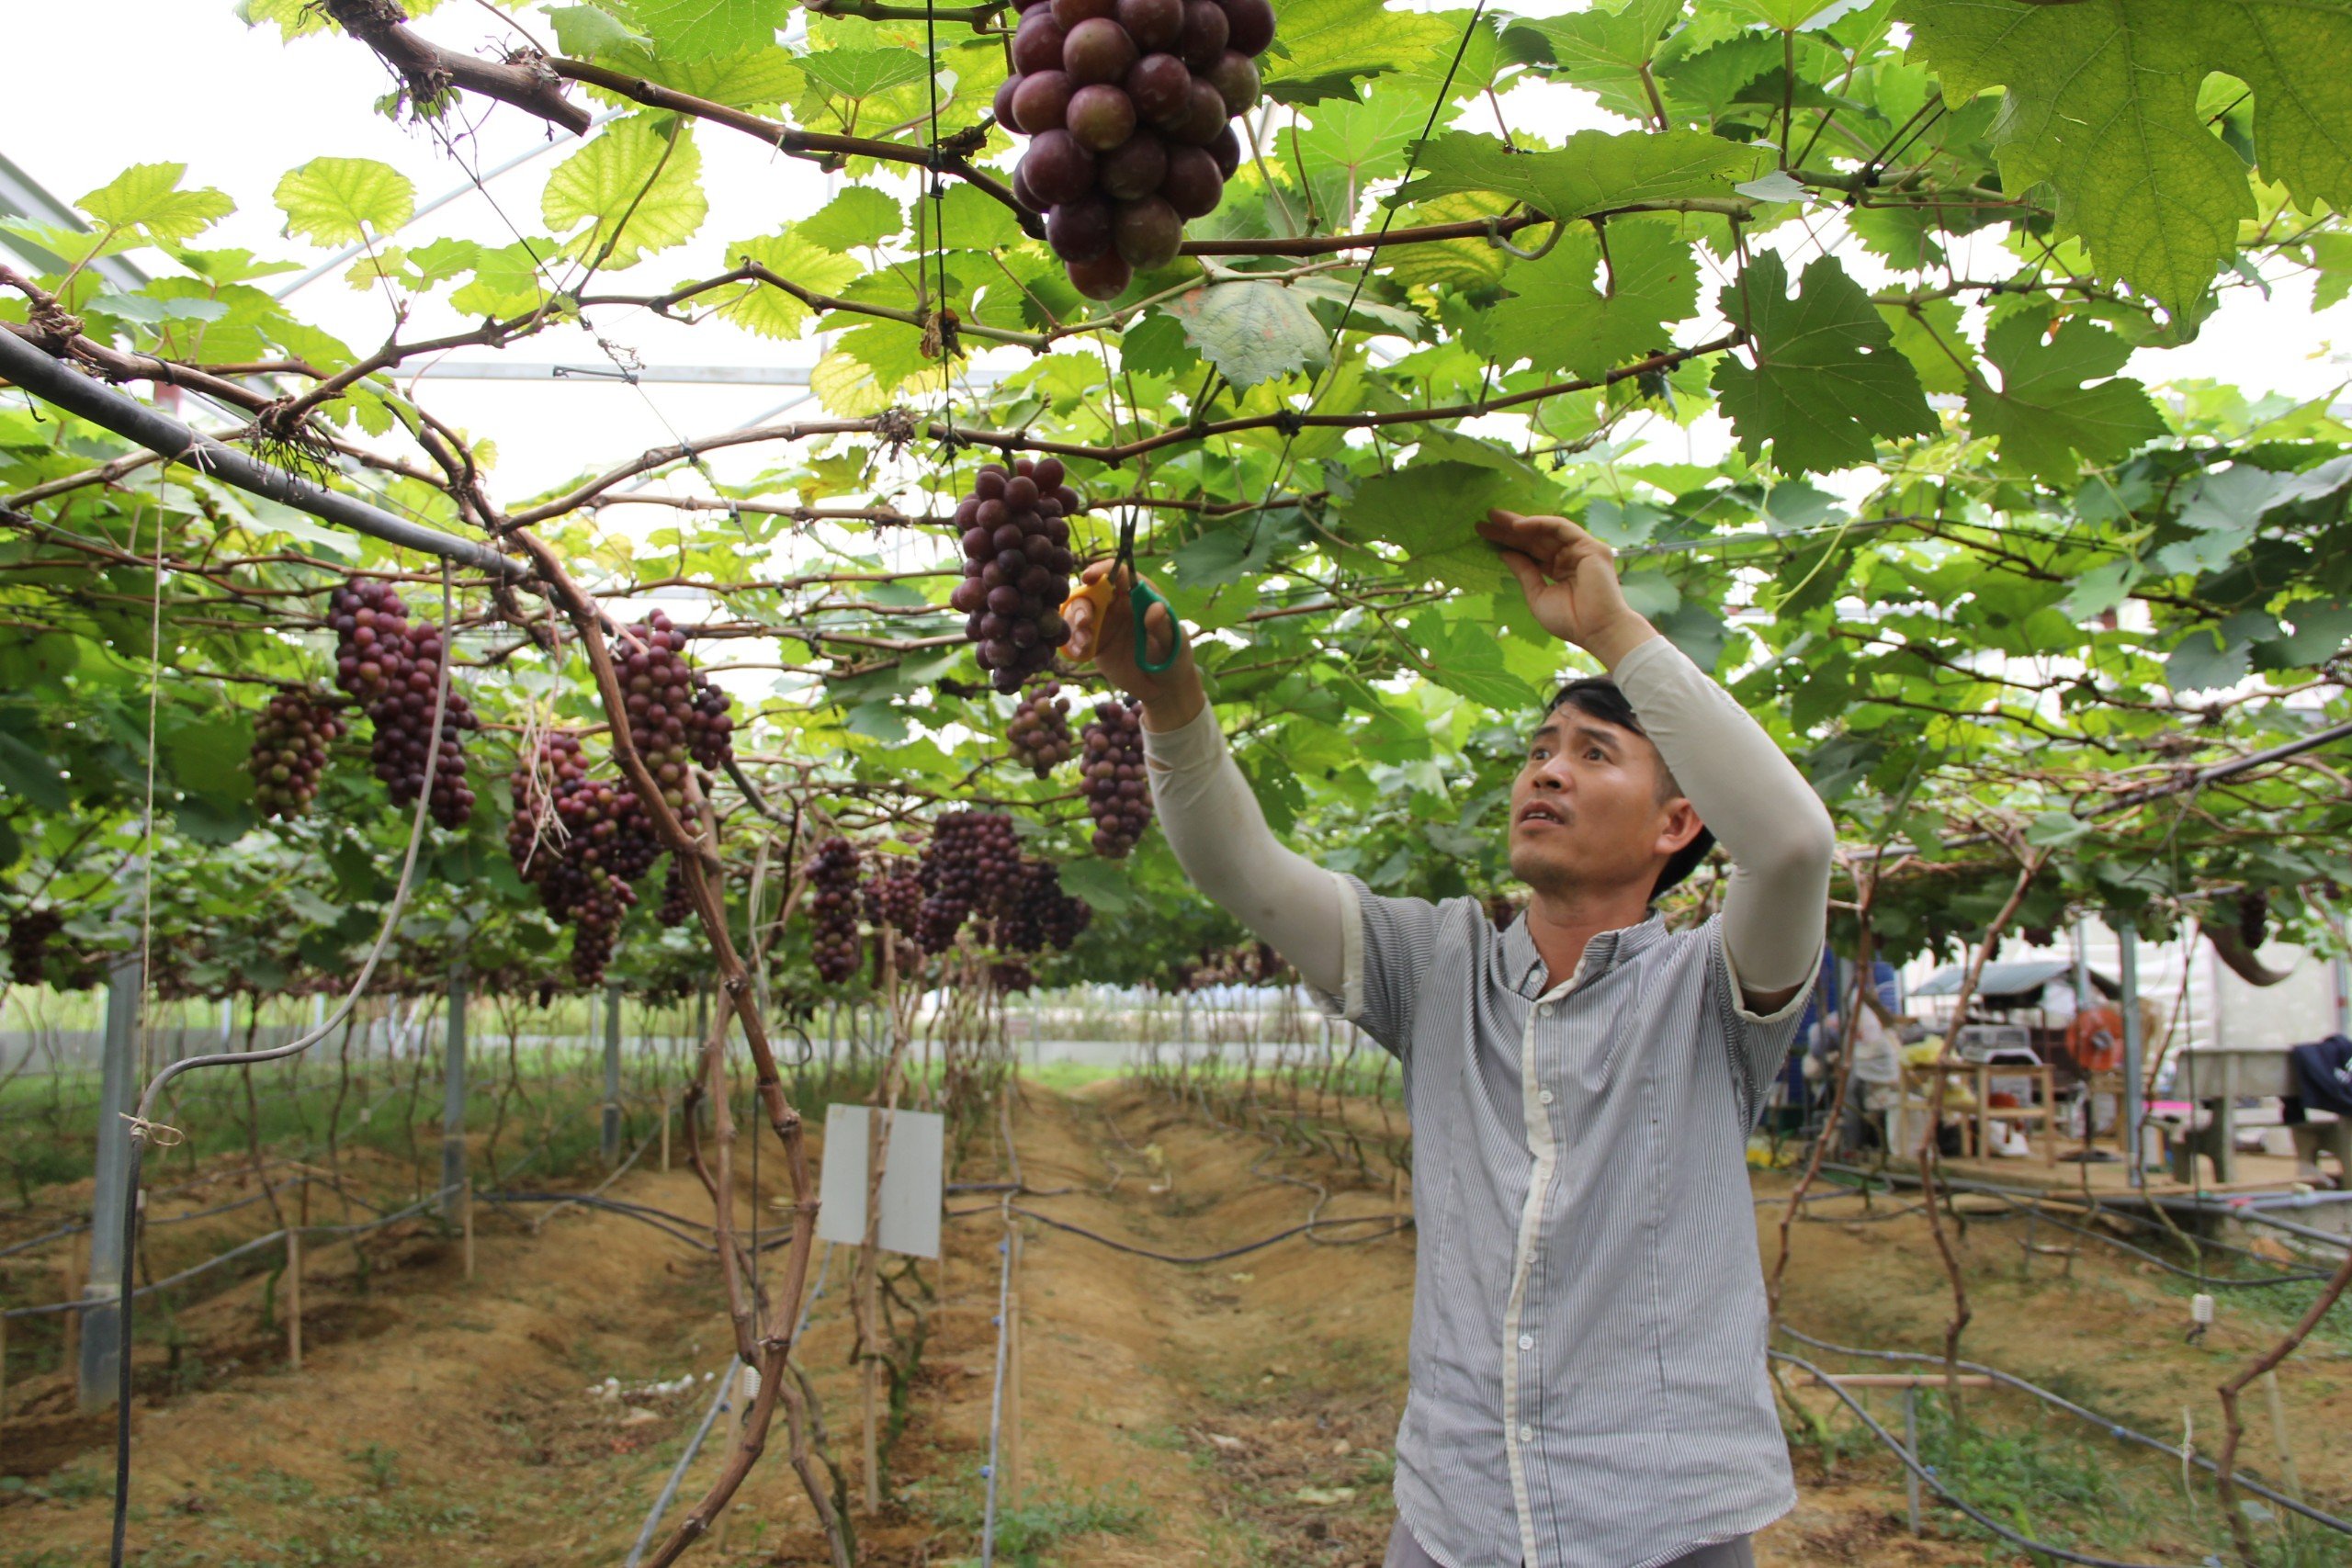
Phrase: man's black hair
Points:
(1597, 698)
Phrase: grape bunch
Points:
(2254, 917)
(1039, 734)
(1037, 914)
(676, 717)
(832, 903)
(895, 900)
(1011, 976)
(392, 665)
(676, 909)
(30, 935)
(1118, 795)
(1126, 104)
(971, 864)
(1017, 563)
(290, 741)
(583, 842)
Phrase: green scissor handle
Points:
(1140, 599)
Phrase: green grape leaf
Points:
(2048, 421)
(1826, 377)
(1602, 51)
(338, 201)
(858, 217)
(2099, 101)
(146, 196)
(2204, 660)
(1427, 509)
(1359, 138)
(1251, 332)
(507, 280)
(1464, 655)
(769, 310)
(862, 73)
(585, 31)
(1322, 47)
(688, 29)
(636, 189)
(1593, 172)
(1929, 333)
(1559, 317)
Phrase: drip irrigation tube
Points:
(727, 1378)
(2112, 1428)
(1928, 1475)
(1395, 1222)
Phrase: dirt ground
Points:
(1234, 1412)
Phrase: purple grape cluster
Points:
(1013, 976)
(972, 861)
(832, 909)
(1037, 914)
(1039, 734)
(1127, 105)
(1118, 795)
(392, 665)
(30, 935)
(676, 717)
(676, 909)
(1017, 563)
(290, 741)
(581, 842)
(895, 900)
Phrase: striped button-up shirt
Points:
(1588, 1369)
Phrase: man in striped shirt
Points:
(1587, 1366)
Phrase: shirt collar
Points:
(1523, 965)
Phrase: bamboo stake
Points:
(294, 1298)
(1012, 1377)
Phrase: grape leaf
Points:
(147, 197)
(862, 73)
(2048, 421)
(1250, 332)
(769, 310)
(2100, 102)
(1827, 377)
(1558, 319)
(638, 190)
(1593, 172)
(1427, 509)
(859, 216)
(1322, 47)
(1603, 52)
(690, 28)
(336, 202)
(1467, 655)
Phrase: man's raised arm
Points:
(1213, 821)
(1768, 820)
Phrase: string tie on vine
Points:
(160, 1135)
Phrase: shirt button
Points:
(1544, 1097)
(1545, 1011)
(1527, 1433)
(1527, 1342)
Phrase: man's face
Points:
(1585, 811)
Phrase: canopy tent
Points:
(2014, 984)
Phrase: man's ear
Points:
(1681, 826)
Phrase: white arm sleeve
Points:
(1775, 828)
(1220, 837)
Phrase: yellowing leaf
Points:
(769, 310)
(147, 197)
(636, 188)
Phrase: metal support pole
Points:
(2134, 1048)
(453, 1100)
(101, 1316)
(612, 1141)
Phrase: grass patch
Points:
(1027, 1531)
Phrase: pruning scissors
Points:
(1096, 598)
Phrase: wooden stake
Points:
(665, 1133)
(1011, 1443)
(294, 1299)
(467, 1221)
(869, 1394)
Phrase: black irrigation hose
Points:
(1911, 1463)
(660, 1220)
(2207, 1278)
(1395, 1222)
(2113, 1428)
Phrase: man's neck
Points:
(1560, 924)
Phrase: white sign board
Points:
(913, 1174)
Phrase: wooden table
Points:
(1980, 1076)
(2218, 1078)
